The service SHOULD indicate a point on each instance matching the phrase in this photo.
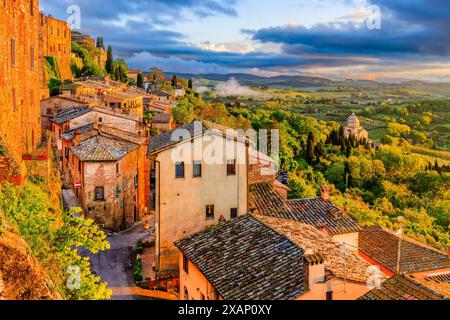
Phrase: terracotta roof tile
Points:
(101, 148)
(402, 287)
(382, 246)
(246, 260)
(316, 212)
(342, 263)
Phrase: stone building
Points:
(20, 125)
(107, 172)
(55, 41)
(268, 258)
(83, 39)
(355, 129)
(193, 192)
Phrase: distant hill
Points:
(299, 82)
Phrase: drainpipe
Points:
(158, 260)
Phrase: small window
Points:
(79, 166)
(179, 170)
(117, 168)
(210, 212)
(67, 152)
(100, 119)
(330, 296)
(233, 213)
(32, 7)
(32, 58)
(231, 167)
(136, 181)
(185, 264)
(99, 193)
(13, 52)
(197, 172)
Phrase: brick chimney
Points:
(314, 269)
(76, 139)
(325, 193)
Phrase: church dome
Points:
(353, 121)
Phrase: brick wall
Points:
(19, 79)
(55, 41)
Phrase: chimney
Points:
(325, 193)
(76, 139)
(314, 269)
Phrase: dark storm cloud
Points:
(407, 27)
(412, 30)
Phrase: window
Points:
(185, 264)
(210, 212)
(329, 295)
(100, 119)
(202, 296)
(136, 181)
(13, 52)
(197, 172)
(67, 152)
(79, 166)
(99, 193)
(117, 168)
(233, 213)
(179, 170)
(32, 58)
(231, 167)
(32, 7)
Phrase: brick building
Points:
(20, 125)
(55, 41)
(107, 171)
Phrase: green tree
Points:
(174, 81)
(109, 61)
(310, 148)
(190, 84)
(140, 81)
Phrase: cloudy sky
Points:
(333, 38)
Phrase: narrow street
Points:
(114, 266)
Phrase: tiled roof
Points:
(342, 264)
(162, 118)
(114, 133)
(102, 149)
(445, 277)
(316, 212)
(165, 140)
(70, 135)
(402, 287)
(70, 114)
(382, 246)
(441, 287)
(246, 260)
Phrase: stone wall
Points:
(19, 79)
(55, 41)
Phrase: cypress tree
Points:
(109, 61)
(310, 148)
(140, 81)
(174, 81)
(190, 84)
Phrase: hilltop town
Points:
(91, 192)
